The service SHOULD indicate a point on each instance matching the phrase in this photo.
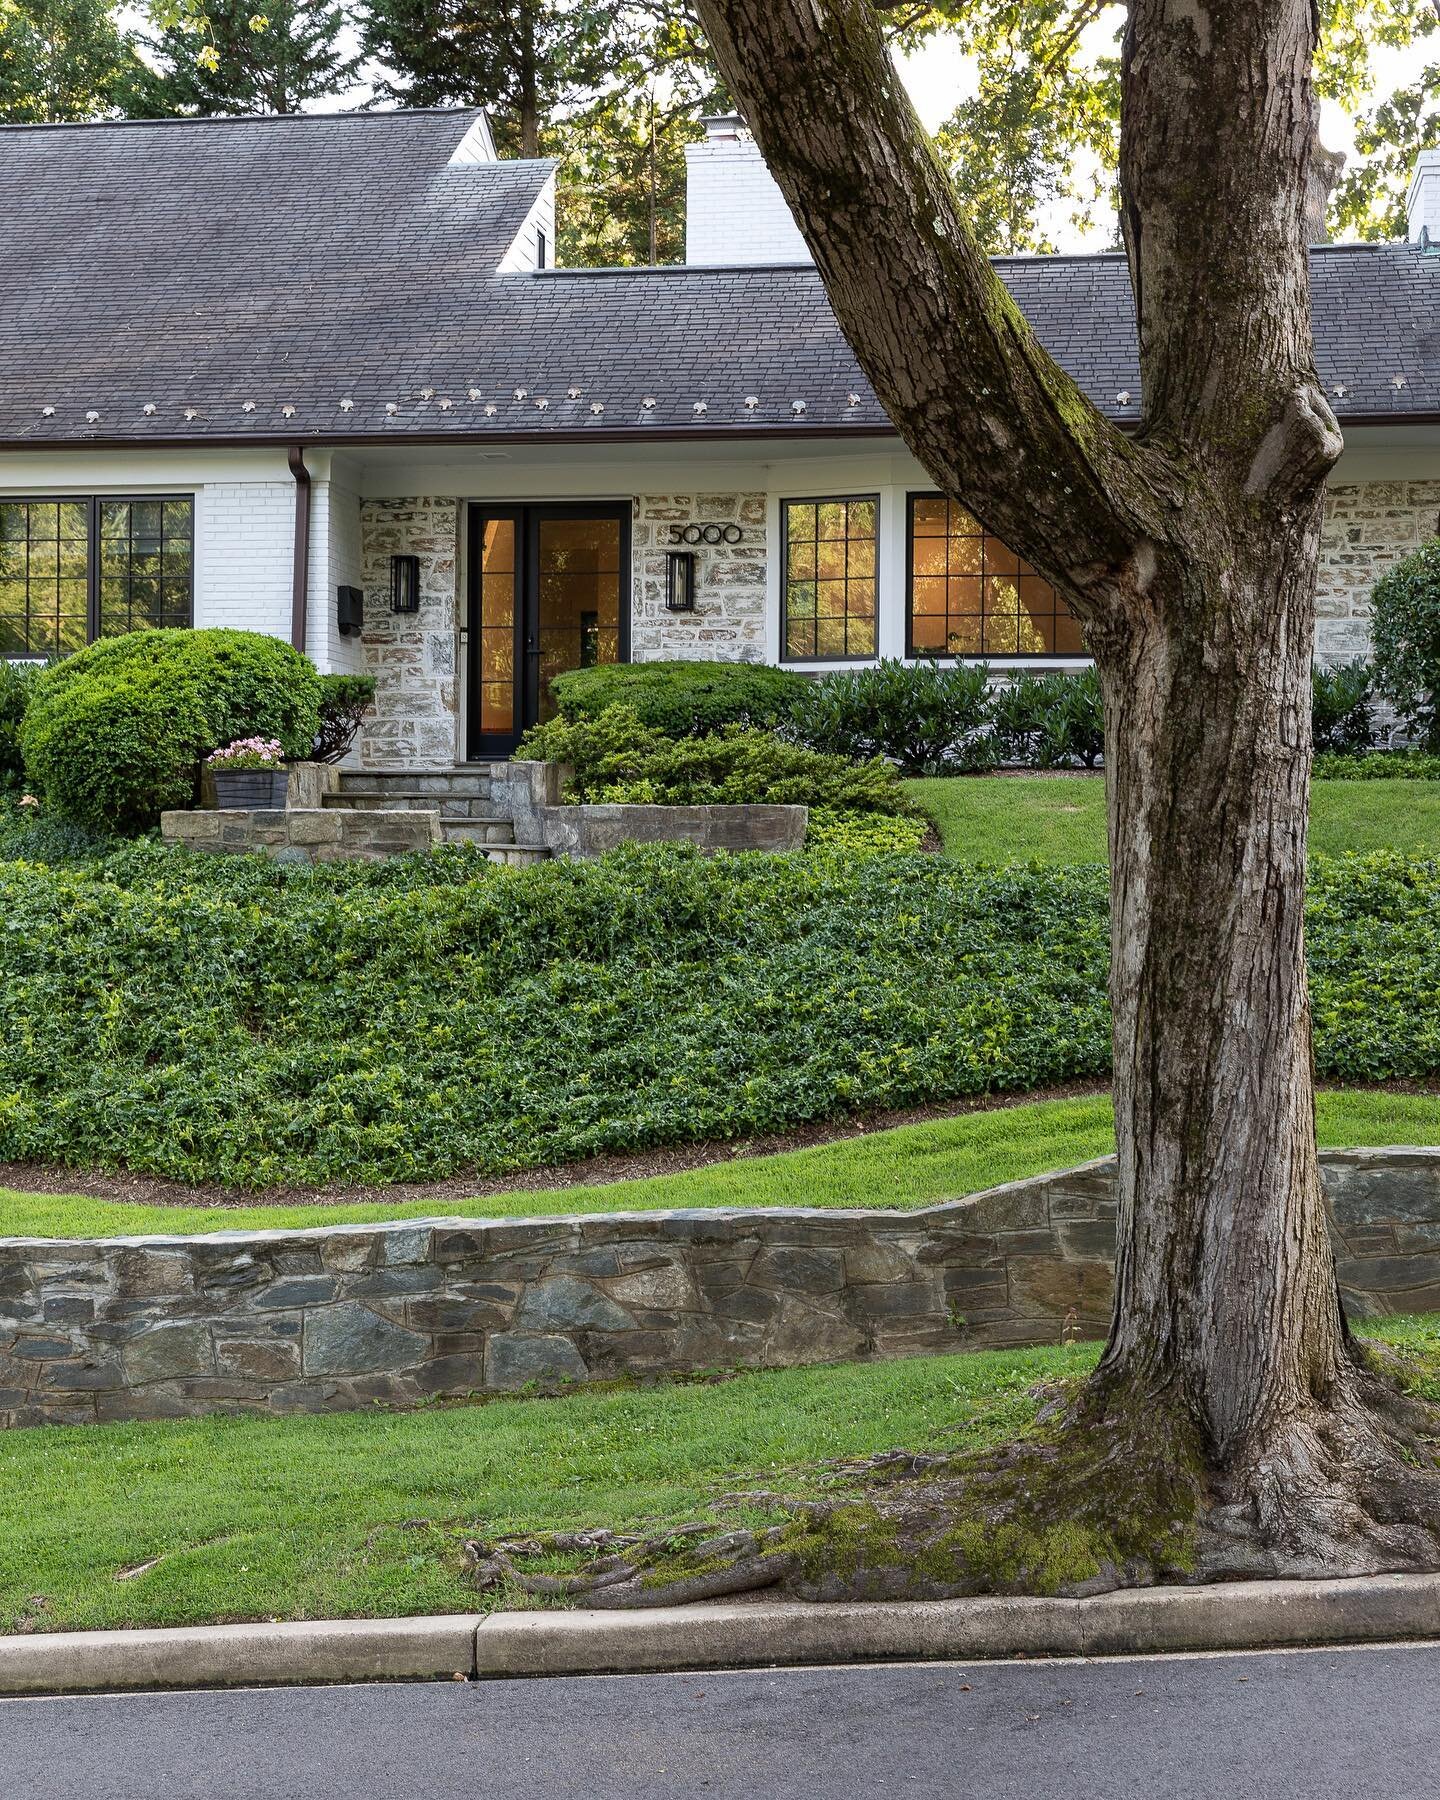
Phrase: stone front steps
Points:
(467, 799)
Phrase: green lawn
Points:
(363, 1514)
(1020, 818)
(909, 1166)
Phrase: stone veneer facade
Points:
(412, 657)
(728, 624)
(350, 1315)
(1369, 526)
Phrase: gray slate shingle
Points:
(303, 261)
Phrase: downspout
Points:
(301, 579)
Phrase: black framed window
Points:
(828, 594)
(72, 570)
(971, 596)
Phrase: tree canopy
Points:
(62, 60)
(240, 60)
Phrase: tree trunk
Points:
(1190, 552)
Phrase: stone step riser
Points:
(449, 806)
(477, 831)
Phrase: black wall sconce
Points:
(680, 581)
(350, 611)
(405, 584)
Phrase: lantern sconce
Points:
(680, 581)
(405, 584)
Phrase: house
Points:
(318, 376)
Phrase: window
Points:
(540, 249)
(75, 570)
(829, 584)
(970, 596)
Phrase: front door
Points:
(549, 592)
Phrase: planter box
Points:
(305, 784)
(262, 790)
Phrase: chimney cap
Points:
(723, 126)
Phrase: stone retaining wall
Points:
(304, 834)
(345, 1316)
(530, 793)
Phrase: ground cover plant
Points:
(232, 1020)
(1016, 818)
(900, 1168)
(368, 1514)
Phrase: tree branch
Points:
(995, 420)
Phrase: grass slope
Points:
(364, 1514)
(908, 1166)
(1022, 818)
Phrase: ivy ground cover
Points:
(236, 1021)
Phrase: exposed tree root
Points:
(1107, 1492)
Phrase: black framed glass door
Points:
(549, 591)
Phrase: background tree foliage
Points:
(616, 88)
(62, 60)
(237, 59)
(1044, 126)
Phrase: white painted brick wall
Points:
(734, 212)
(244, 550)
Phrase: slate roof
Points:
(305, 261)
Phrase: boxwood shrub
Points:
(116, 733)
(682, 699)
(615, 757)
(228, 1019)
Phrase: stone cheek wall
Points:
(412, 656)
(1369, 526)
(283, 1322)
(728, 623)
(305, 834)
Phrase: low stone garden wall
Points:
(345, 1316)
(531, 791)
(304, 834)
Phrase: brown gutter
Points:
(300, 581)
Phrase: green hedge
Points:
(1377, 765)
(17, 682)
(116, 734)
(682, 699)
(227, 1019)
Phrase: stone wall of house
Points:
(1369, 526)
(349, 1315)
(728, 624)
(413, 657)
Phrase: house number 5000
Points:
(706, 534)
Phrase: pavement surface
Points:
(1322, 1725)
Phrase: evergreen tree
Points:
(61, 60)
(234, 59)
(527, 62)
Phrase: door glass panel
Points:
(497, 627)
(578, 583)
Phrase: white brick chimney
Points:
(734, 213)
(1422, 203)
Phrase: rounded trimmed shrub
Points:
(682, 699)
(116, 734)
(1405, 635)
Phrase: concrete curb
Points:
(1239, 1615)
(197, 1656)
(1249, 1615)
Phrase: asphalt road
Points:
(1325, 1725)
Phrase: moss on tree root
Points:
(1112, 1488)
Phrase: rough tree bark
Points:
(1189, 549)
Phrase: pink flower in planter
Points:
(248, 753)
